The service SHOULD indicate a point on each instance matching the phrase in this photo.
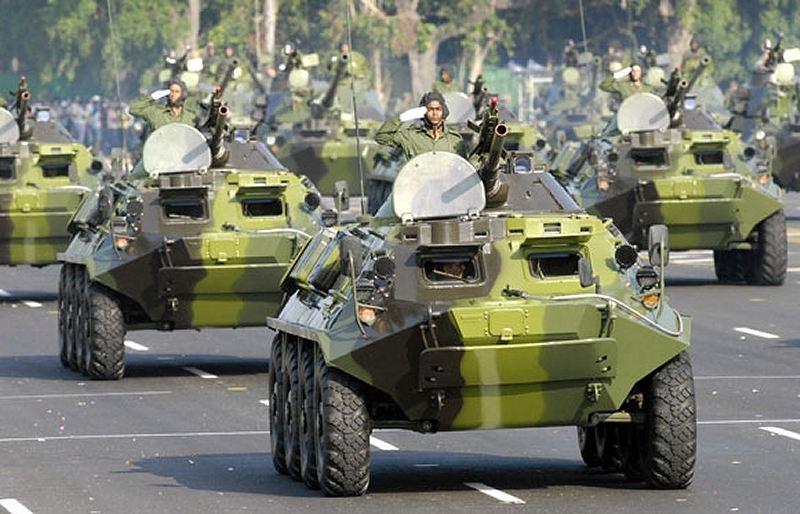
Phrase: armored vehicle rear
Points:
(478, 300)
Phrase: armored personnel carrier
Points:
(202, 239)
(665, 161)
(765, 113)
(479, 300)
(44, 176)
(322, 138)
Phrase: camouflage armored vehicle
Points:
(479, 300)
(671, 164)
(321, 140)
(201, 240)
(765, 113)
(44, 176)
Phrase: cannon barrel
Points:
(704, 62)
(489, 170)
(218, 150)
(326, 102)
(22, 102)
(228, 75)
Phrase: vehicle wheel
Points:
(73, 300)
(308, 452)
(276, 404)
(64, 306)
(342, 433)
(731, 266)
(105, 346)
(82, 327)
(587, 443)
(770, 255)
(293, 406)
(609, 447)
(669, 437)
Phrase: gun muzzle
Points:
(25, 96)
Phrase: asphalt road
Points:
(186, 430)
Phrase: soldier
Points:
(626, 82)
(430, 135)
(692, 58)
(445, 84)
(157, 115)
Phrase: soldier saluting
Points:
(175, 110)
(626, 82)
(422, 129)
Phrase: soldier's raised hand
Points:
(413, 114)
(158, 95)
(621, 74)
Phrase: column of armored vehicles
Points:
(482, 293)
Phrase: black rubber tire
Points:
(732, 266)
(342, 434)
(64, 280)
(73, 298)
(669, 437)
(308, 451)
(293, 407)
(587, 444)
(609, 447)
(82, 328)
(770, 257)
(105, 348)
(276, 404)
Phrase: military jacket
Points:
(442, 87)
(156, 114)
(415, 139)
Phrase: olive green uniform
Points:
(156, 114)
(624, 87)
(415, 139)
(446, 87)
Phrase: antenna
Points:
(583, 25)
(355, 113)
(121, 112)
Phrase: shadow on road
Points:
(48, 367)
(392, 472)
(16, 296)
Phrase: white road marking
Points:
(793, 270)
(32, 304)
(494, 493)
(14, 507)
(749, 377)
(757, 333)
(692, 261)
(136, 346)
(264, 402)
(4, 293)
(781, 431)
(200, 373)
(746, 421)
(382, 445)
(81, 395)
(426, 465)
(47, 439)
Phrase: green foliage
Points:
(64, 46)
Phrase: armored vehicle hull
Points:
(182, 249)
(43, 180)
(447, 322)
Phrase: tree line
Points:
(66, 47)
